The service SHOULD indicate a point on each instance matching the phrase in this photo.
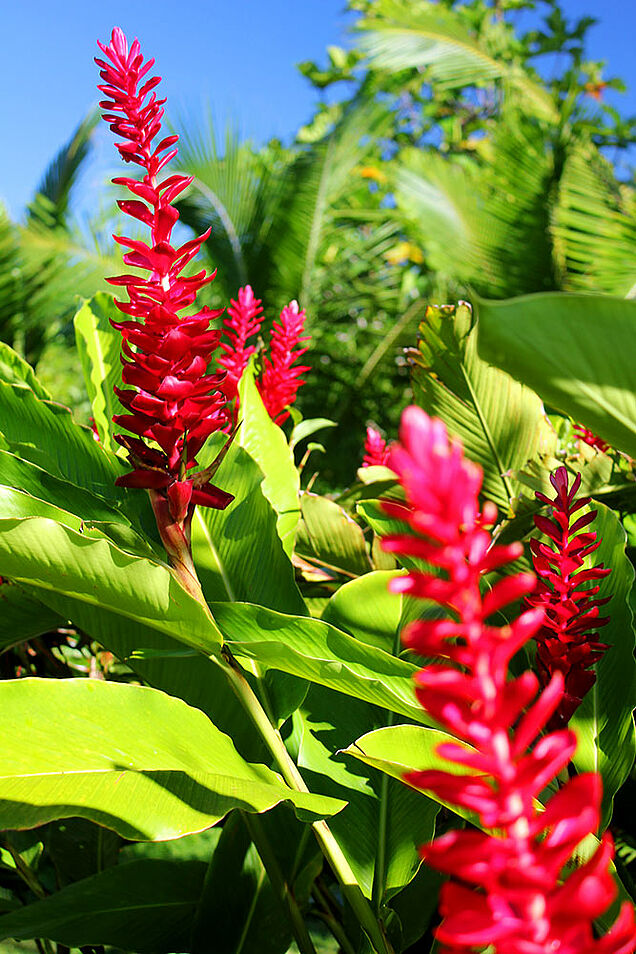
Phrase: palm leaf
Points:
(51, 202)
(400, 34)
(594, 225)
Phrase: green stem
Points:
(330, 848)
(278, 882)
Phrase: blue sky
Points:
(239, 56)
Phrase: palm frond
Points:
(236, 192)
(50, 205)
(403, 34)
(594, 225)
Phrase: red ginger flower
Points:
(375, 450)
(565, 641)
(280, 378)
(171, 402)
(242, 323)
(505, 890)
(590, 438)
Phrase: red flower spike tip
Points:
(376, 451)
(281, 377)
(242, 322)
(588, 437)
(566, 641)
(506, 890)
(173, 405)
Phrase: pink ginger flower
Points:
(281, 376)
(376, 451)
(566, 639)
(506, 889)
(173, 405)
(590, 438)
(243, 321)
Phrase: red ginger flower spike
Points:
(173, 405)
(505, 890)
(280, 378)
(566, 639)
(375, 450)
(589, 438)
(242, 322)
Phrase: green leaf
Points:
(238, 907)
(99, 348)
(384, 822)
(306, 428)
(313, 650)
(15, 370)
(396, 35)
(367, 610)
(237, 551)
(499, 422)
(45, 433)
(44, 554)
(330, 538)
(266, 444)
(23, 616)
(575, 351)
(604, 723)
(398, 749)
(143, 906)
(128, 757)
(169, 666)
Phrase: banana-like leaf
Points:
(128, 757)
(328, 537)
(144, 906)
(384, 822)
(46, 555)
(99, 348)
(316, 651)
(576, 351)
(45, 433)
(266, 444)
(604, 723)
(237, 551)
(499, 421)
(23, 616)
(15, 370)
(398, 35)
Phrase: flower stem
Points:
(329, 846)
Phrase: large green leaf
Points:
(384, 822)
(44, 554)
(238, 906)
(237, 551)
(314, 650)
(45, 433)
(169, 666)
(604, 723)
(99, 348)
(28, 491)
(265, 442)
(129, 757)
(23, 616)
(499, 422)
(144, 906)
(328, 537)
(15, 370)
(576, 351)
